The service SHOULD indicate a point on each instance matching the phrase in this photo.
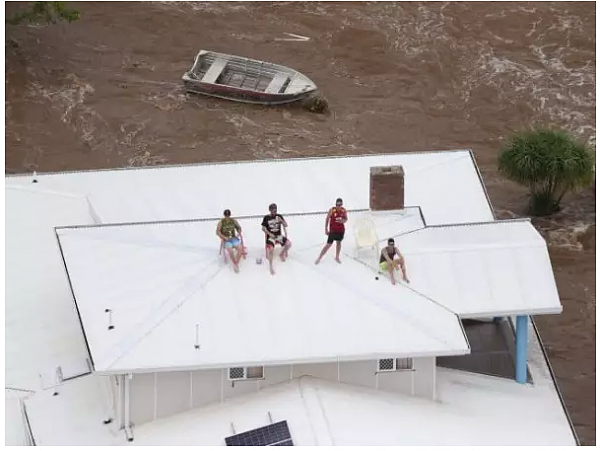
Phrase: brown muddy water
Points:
(105, 92)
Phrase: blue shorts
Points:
(233, 242)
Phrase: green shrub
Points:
(550, 163)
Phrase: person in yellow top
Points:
(229, 230)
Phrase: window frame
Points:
(246, 377)
(396, 367)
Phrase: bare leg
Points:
(286, 248)
(239, 254)
(391, 271)
(233, 259)
(223, 251)
(400, 267)
(270, 258)
(338, 249)
(323, 252)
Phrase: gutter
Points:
(560, 397)
(537, 333)
(482, 183)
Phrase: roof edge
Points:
(467, 224)
(223, 365)
(272, 160)
(487, 196)
(516, 312)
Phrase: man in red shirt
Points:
(334, 229)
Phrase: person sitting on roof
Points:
(272, 225)
(391, 259)
(229, 230)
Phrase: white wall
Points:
(158, 395)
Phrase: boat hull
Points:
(246, 80)
(245, 96)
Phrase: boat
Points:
(246, 80)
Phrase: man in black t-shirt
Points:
(273, 225)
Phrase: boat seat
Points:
(214, 71)
(276, 84)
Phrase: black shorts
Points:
(335, 236)
(279, 239)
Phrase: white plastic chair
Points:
(365, 235)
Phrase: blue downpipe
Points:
(521, 350)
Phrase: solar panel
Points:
(276, 434)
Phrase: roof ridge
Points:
(473, 246)
(193, 220)
(438, 163)
(389, 308)
(145, 331)
(411, 289)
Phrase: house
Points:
(130, 326)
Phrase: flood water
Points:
(105, 91)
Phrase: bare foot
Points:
(338, 260)
(393, 281)
(282, 256)
(236, 268)
(317, 261)
(272, 271)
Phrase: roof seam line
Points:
(161, 320)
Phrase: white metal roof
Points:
(76, 416)
(446, 185)
(476, 411)
(161, 280)
(42, 329)
(471, 409)
(481, 270)
(14, 425)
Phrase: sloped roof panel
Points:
(446, 185)
(166, 282)
(481, 270)
(42, 330)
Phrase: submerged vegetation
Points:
(44, 12)
(550, 163)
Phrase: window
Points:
(244, 373)
(254, 372)
(391, 364)
(404, 364)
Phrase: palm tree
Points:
(550, 163)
